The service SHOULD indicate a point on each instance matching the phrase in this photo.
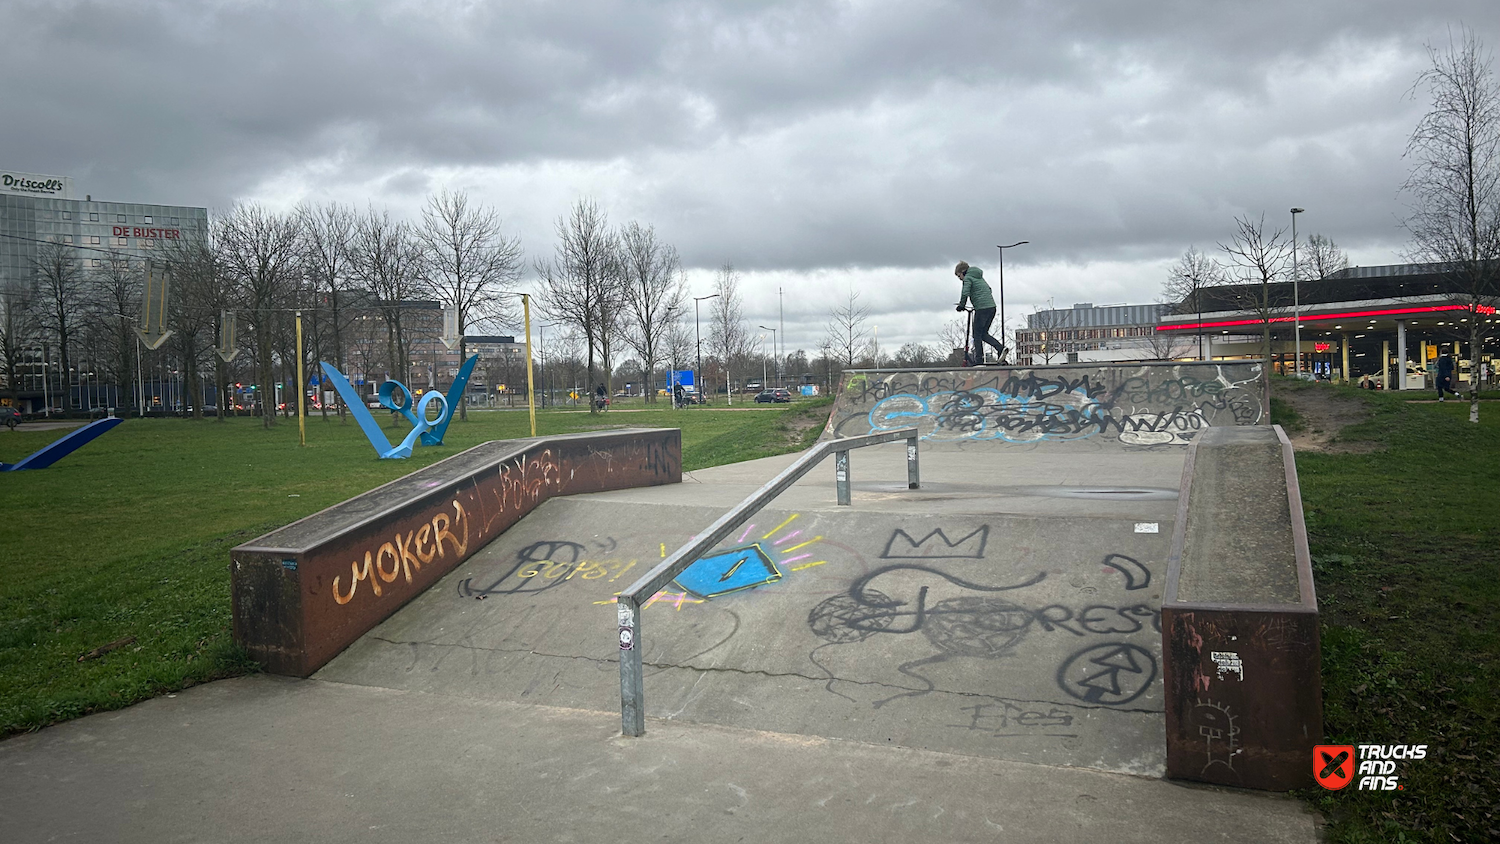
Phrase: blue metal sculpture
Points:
(430, 432)
(56, 451)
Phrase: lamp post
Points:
(672, 377)
(698, 341)
(774, 351)
(1002, 290)
(763, 378)
(1296, 300)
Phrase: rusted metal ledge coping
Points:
(1240, 646)
(304, 592)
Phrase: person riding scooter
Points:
(977, 290)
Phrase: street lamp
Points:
(698, 340)
(763, 378)
(673, 379)
(1296, 301)
(778, 360)
(1002, 291)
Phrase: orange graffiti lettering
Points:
(439, 533)
(408, 551)
(407, 558)
(358, 575)
(422, 536)
(387, 550)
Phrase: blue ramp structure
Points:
(63, 447)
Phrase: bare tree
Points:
(206, 296)
(1320, 258)
(1259, 258)
(954, 336)
(847, 333)
(469, 260)
(1048, 325)
(1166, 345)
(328, 246)
(727, 334)
(260, 251)
(916, 354)
(678, 341)
(1454, 185)
(1186, 282)
(387, 260)
(579, 282)
(64, 297)
(117, 294)
(196, 309)
(18, 327)
(563, 352)
(654, 293)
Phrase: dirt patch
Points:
(1324, 413)
(807, 424)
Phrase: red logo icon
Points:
(1333, 765)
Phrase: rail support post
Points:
(913, 474)
(841, 475)
(632, 685)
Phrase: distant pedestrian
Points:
(977, 290)
(1445, 376)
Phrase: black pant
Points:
(982, 319)
(1445, 382)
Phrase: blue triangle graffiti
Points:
(729, 571)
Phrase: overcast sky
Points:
(813, 145)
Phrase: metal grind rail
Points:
(632, 681)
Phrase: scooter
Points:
(972, 356)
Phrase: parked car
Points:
(777, 395)
(10, 417)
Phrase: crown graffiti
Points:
(936, 546)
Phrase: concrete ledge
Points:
(304, 592)
(1240, 648)
(1103, 405)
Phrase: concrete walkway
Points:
(268, 759)
(972, 661)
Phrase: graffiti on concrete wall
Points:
(755, 559)
(487, 507)
(1218, 728)
(923, 593)
(978, 623)
(1141, 406)
(407, 552)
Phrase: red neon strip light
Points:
(1321, 317)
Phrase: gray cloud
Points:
(787, 137)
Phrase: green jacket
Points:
(977, 289)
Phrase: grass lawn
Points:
(130, 536)
(1405, 543)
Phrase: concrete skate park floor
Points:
(1032, 637)
(905, 665)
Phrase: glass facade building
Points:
(134, 229)
(37, 210)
